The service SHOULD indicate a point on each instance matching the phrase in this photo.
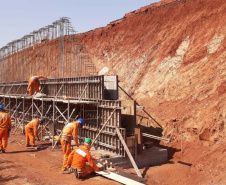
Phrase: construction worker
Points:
(33, 82)
(31, 131)
(77, 160)
(5, 128)
(70, 130)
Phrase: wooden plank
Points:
(138, 132)
(128, 153)
(118, 178)
(32, 148)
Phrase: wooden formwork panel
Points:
(60, 112)
(86, 88)
(14, 88)
(107, 140)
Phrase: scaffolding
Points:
(75, 91)
(54, 51)
(67, 99)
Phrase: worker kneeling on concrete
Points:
(31, 131)
(5, 128)
(33, 82)
(77, 160)
(71, 129)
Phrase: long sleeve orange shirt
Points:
(5, 121)
(79, 156)
(34, 125)
(32, 78)
(71, 129)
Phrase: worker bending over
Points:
(5, 128)
(33, 82)
(78, 157)
(31, 131)
(71, 129)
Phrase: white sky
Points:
(20, 17)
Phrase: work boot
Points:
(78, 173)
(66, 172)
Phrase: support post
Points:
(128, 153)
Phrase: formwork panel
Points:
(68, 99)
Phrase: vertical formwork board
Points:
(86, 88)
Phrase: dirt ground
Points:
(169, 57)
(27, 167)
(21, 166)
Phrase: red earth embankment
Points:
(171, 57)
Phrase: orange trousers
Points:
(31, 86)
(30, 138)
(86, 170)
(3, 138)
(66, 146)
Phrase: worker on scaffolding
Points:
(70, 130)
(77, 160)
(31, 131)
(33, 82)
(5, 128)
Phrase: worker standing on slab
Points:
(33, 82)
(31, 131)
(5, 128)
(77, 160)
(70, 130)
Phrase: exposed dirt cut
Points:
(170, 57)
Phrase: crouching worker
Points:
(33, 82)
(77, 160)
(31, 131)
(5, 127)
(69, 131)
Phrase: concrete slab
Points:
(150, 157)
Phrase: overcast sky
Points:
(20, 17)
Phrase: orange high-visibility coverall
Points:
(5, 124)
(78, 158)
(31, 131)
(33, 82)
(71, 129)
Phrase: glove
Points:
(71, 170)
(9, 132)
(100, 166)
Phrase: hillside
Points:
(170, 56)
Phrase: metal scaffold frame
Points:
(67, 99)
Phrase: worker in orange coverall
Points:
(78, 157)
(31, 131)
(33, 82)
(71, 129)
(5, 128)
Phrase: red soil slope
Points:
(170, 57)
